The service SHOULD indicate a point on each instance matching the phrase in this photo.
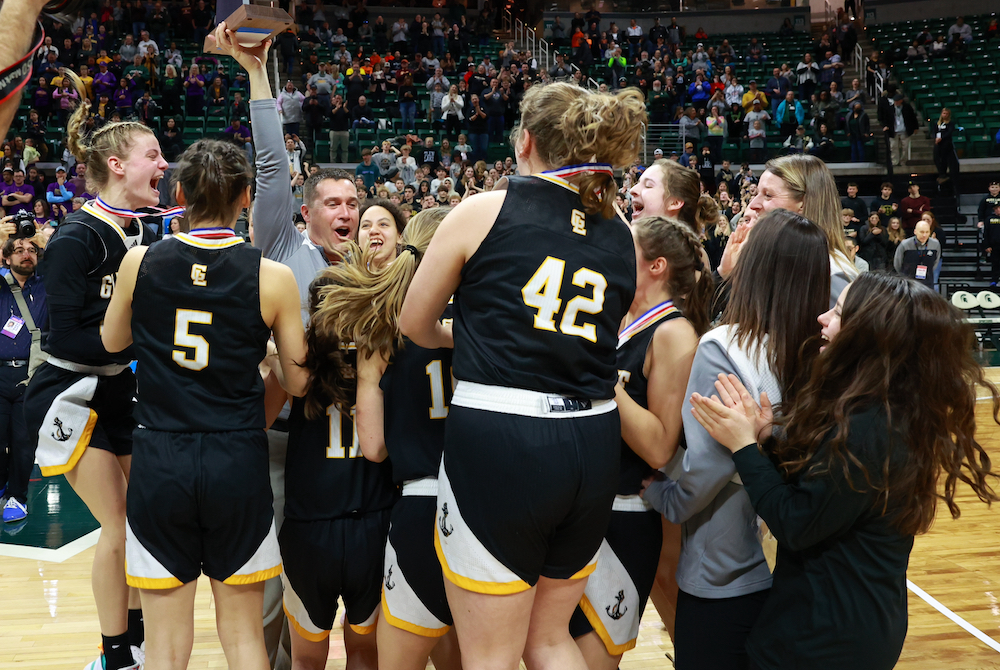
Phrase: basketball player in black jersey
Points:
(667, 189)
(78, 405)
(337, 503)
(403, 396)
(200, 308)
(542, 276)
(655, 350)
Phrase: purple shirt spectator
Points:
(124, 98)
(23, 189)
(242, 131)
(57, 193)
(104, 82)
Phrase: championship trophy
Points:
(253, 22)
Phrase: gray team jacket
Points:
(721, 555)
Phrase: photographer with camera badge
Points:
(25, 314)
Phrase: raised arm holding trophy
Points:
(253, 22)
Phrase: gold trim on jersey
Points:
(475, 585)
(253, 577)
(96, 213)
(586, 571)
(312, 637)
(152, 583)
(595, 621)
(559, 181)
(410, 627)
(224, 243)
(81, 444)
(363, 630)
(670, 312)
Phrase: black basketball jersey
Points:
(541, 300)
(631, 358)
(91, 242)
(199, 335)
(416, 388)
(326, 475)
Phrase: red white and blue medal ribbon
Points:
(654, 314)
(212, 233)
(158, 212)
(585, 168)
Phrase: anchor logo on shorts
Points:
(616, 611)
(389, 584)
(446, 530)
(60, 435)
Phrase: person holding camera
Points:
(22, 296)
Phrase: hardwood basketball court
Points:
(49, 621)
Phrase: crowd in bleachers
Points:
(746, 97)
(351, 81)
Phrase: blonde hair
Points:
(897, 235)
(699, 209)
(941, 119)
(112, 139)
(573, 125)
(804, 174)
(362, 304)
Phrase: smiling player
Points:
(79, 404)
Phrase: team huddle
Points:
(489, 410)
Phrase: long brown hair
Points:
(779, 287)
(904, 350)
(691, 287)
(212, 175)
(352, 302)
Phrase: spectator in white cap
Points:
(658, 154)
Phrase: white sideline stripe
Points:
(59, 555)
(933, 602)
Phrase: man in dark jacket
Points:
(899, 122)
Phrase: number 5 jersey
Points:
(199, 335)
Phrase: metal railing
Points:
(861, 64)
(829, 15)
(527, 39)
(277, 75)
(666, 136)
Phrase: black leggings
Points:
(712, 633)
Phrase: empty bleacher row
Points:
(970, 87)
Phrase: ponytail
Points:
(573, 125)
(690, 284)
(112, 139)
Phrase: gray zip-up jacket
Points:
(721, 554)
(274, 229)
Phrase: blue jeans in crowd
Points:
(480, 143)
(408, 110)
(857, 151)
(495, 127)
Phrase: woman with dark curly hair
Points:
(878, 434)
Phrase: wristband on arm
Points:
(13, 79)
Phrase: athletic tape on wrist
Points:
(13, 79)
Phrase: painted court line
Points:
(59, 555)
(969, 628)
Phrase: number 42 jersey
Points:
(199, 335)
(541, 300)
